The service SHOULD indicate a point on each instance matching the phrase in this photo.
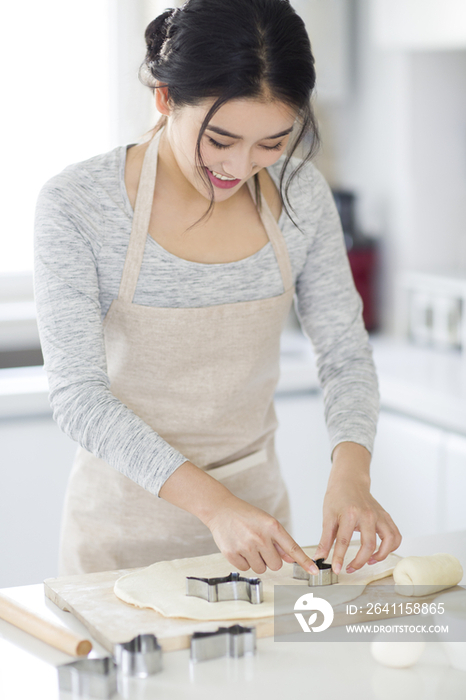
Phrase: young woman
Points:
(165, 271)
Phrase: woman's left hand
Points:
(349, 507)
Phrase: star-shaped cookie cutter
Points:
(231, 587)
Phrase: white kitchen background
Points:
(391, 102)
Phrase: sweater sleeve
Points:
(330, 312)
(66, 248)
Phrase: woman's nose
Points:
(240, 168)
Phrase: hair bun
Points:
(157, 32)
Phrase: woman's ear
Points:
(162, 100)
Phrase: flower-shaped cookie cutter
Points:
(141, 657)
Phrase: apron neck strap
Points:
(275, 237)
(141, 220)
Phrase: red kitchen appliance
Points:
(363, 255)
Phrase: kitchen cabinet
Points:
(419, 25)
(405, 470)
(36, 462)
(303, 451)
(418, 470)
(454, 476)
(413, 474)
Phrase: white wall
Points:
(365, 145)
(132, 101)
(399, 141)
(438, 162)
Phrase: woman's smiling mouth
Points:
(221, 181)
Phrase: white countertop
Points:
(278, 670)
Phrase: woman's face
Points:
(243, 137)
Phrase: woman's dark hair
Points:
(234, 49)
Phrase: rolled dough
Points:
(418, 576)
(162, 586)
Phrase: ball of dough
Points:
(396, 654)
(418, 576)
(396, 683)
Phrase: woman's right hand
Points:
(247, 536)
(250, 538)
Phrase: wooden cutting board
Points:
(90, 598)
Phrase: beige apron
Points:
(204, 379)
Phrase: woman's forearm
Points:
(351, 460)
(190, 488)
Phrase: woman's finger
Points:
(294, 551)
(368, 546)
(329, 532)
(256, 562)
(286, 557)
(390, 540)
(237, 560)
(271, 557)
(344, 534)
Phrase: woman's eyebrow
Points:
(222, 132)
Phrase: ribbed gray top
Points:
(82, 227)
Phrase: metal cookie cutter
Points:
(325, 577)
(89, 677)
(141, 657)
(232, 587)
(226, 641)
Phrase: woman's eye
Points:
(222, 145)
(217, 144)
(274, 148)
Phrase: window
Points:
(56, 96)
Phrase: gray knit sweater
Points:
(82, 227)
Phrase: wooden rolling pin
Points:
(27, 620)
